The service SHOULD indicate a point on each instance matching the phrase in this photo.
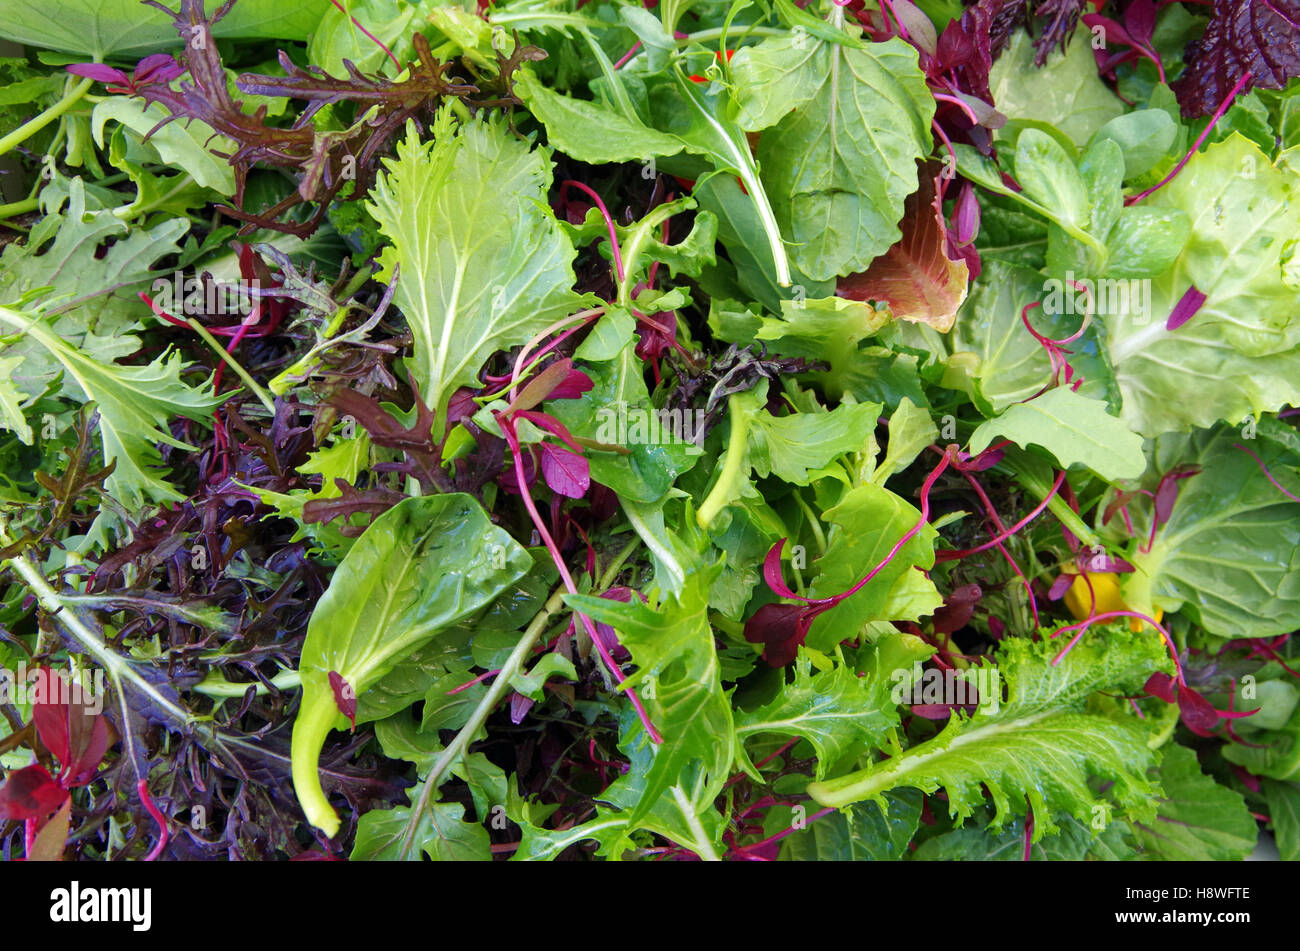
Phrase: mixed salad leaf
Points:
(594, 429)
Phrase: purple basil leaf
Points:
(158, 68)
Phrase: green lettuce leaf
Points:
(1229, 555)
(843, 128)
(1042, 745)
(483, 263)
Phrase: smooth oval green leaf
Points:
(418, 568)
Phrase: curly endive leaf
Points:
(483, 263)
(1043, 744)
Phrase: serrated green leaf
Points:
(1042, 745)
(483, 263)
(834, 710)
(1073, 428)
(1196, 818)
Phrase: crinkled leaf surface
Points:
(1042, 744)
(483, 263)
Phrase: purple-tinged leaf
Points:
(69, 726)
(30, 793)
(780, 628)
(157, 68)
(345, 698)
(519, 707)
(1197, 713)
(1259, 37)
(565, 471)
(958, 607)
(1185, 309)
(553, 426)
(100, 73)
(1161, 686)
(772, 571)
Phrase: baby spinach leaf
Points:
(418, 568)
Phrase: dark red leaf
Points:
(957, 609)
(1161, 686)
(1260, 37)
(30, 793)
(68, 723)
(1197, 713)
(781, 628)
(100, 73)
(345, 698)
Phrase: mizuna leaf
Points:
(1073, 428)
(677, 662)
(418, 568)
(136, 404)
(91, 268)
(1196, 818)
(915, 277)
(483, 263)
(1042, 745)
